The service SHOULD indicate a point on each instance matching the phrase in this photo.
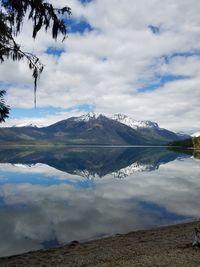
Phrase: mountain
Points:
(150, 130)
(91, 129)
(183, 135)
(146, 125)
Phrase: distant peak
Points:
(135, 124)
(87, 117)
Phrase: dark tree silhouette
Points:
(12, 15)
(4, 110)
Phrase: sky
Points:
(140, 58)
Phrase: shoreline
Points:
(163, 246)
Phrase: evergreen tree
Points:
(4, 110)
(12, 15)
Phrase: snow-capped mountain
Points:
(87, 117)
(134, 123)
(92, 129)
(197, 134)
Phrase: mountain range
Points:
(92, 129)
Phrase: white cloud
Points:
(105, 67)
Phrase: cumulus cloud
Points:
(105, 67)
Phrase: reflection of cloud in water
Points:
(31, 214)
(38, 168)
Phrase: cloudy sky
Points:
(140, 58)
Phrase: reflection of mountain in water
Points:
(91, 162)
(135, 167)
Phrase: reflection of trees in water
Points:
(192, 152)
(196, 154)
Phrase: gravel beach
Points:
(165, 246)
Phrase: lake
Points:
(54, 195)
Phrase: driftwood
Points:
(196, 238)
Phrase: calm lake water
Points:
(51, 196)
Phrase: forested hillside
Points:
(193, 142)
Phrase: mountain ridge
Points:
(92, 129)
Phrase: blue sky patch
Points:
(54, 51)
(33, 112)
(78, 26)
(85, 108)
(185, 54)
(17, 113)
(85, 1)
(161, 81)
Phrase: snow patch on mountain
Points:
(134, 123)
(87, 117)
(27, 125)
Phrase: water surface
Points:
(51, 196)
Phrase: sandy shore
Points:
(166, 246)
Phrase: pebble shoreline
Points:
(164, 246)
